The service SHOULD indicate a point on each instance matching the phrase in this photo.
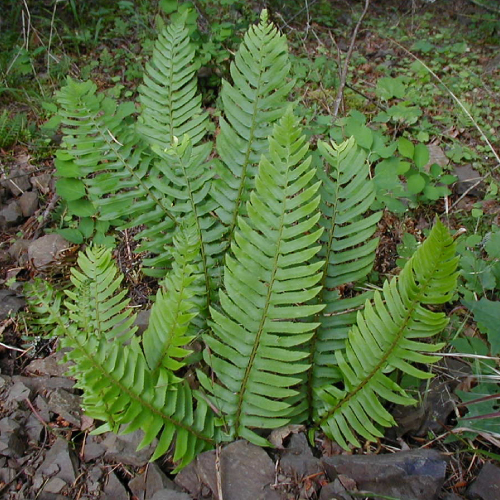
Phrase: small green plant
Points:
(260, 241)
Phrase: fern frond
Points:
(348, 250)
(117, 385)
(171, 103)
(174, 309)
(255, 347)
(384, 339)
(252, 104)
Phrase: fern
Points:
(256, 249)
(383, 339)
(254, 350)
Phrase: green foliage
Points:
(261, 243)
(10, 128)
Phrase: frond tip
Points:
(384, 339)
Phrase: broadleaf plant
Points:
(260, 245)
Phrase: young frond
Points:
(255, 350)
(383, 339)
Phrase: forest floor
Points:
(46, 450)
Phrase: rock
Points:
(19, 251)
(114, 489)
(92, 449)
(42, 183)
(11, 214)
(12, 443)
(66, 405)
(18, 181)
(61, 461)
(54, 485)
(487, 484)
(145, 485)
(246, 473)
(28, 203)
(46, 249)
(436, 155)
(10, 303)
(93, 479)
(51, 365)
(334, 490)
(142, 321)
(34, 429)
(467, 178)
(40, 384)
(167, 494)
(18, 393)
(452, 496)
(122, 448)
(406, 475)
(297, 459)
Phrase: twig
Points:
(45, 216)
(218, 473)
(343, 76)
(485, 6)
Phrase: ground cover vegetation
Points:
(293, 238)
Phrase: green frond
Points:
(167, 335)
(169, 97)
(256, 347)
(252, 104)
(384, 339)
(348, 250)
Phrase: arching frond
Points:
(383, 339)
(255, 350)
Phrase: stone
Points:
(42, 183)
(34, 429)
(19, 251)
(406, 475)
(11, 214)
(10, 304)
(18, 393)
(28, 203)
(41, 384)
(334, 490)
(92, 449)
(487, 484)
(17, 182)
(54, 485)
(436, 156)
(167, 494)
(142, 321)
(297, 459)
(452, 496)
(93, 479)
(46, 249)
(145, 485)
(51, 365)
(114, 489)
(12, 443)
(467, 180)
(60, 460)
(246, 472)
(122, 449)
(66, 405)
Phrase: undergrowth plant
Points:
(259, 250)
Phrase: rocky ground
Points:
(48, 453)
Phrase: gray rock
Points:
(12, 443)
(406, 475)
(142, 321)
(10, 303)
(46, 249)
(123, 449)
(297, 459)
(34, 429)
(19, 251)
(51, 365)
(66, 405)
(93, 449)
(145, 485)
(42, 183)
(334, 490)
(60, 460)
(467, 180)
(54, 485)
(28, 203)
(167, 494)
(40, 384)
(114, 489)
(487, 484)
(93, 479)
(18, 393)
(17, 182)
(11, 214)
(246, 473)
(452, 496)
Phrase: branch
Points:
(343, 76)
